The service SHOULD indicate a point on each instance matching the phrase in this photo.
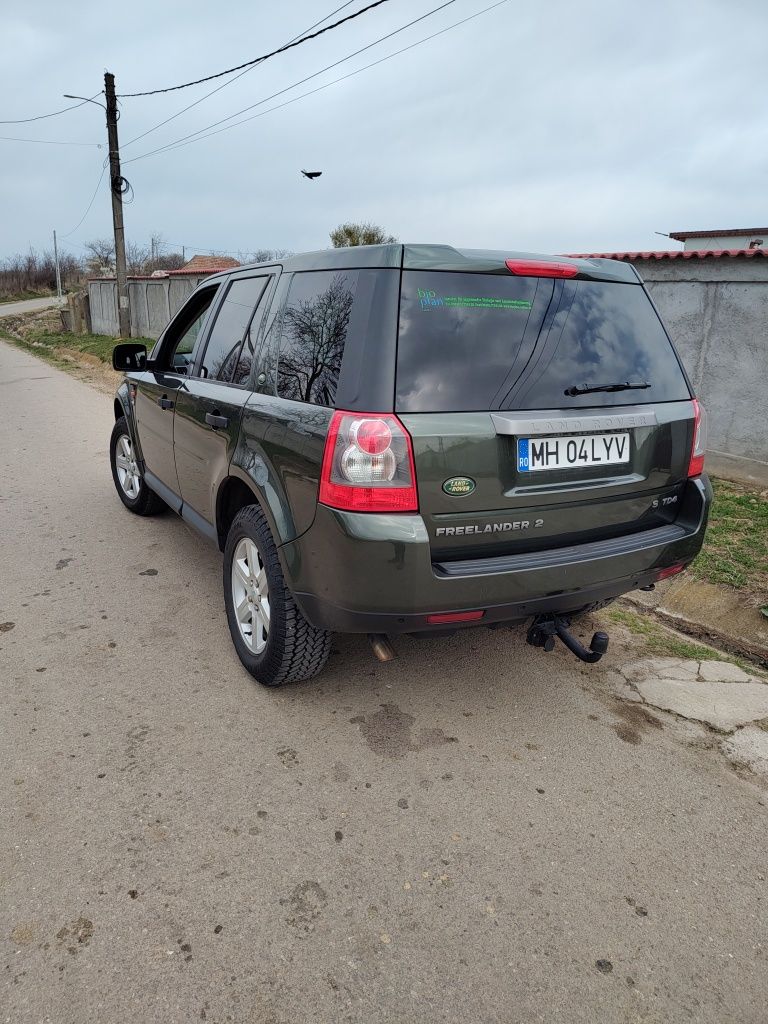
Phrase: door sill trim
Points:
(202, 526)
(169, 497)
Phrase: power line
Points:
(48, 142)
(259, 60)
(343, 78)
(208, 252)
(225, 84)
(54, 113)
(90, 204)
(294, 85)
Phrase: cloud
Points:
(552, 127)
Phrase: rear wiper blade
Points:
(626, 386)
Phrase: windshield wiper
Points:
(626, 386)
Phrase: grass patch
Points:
(21, 296)
(666, 644)
(736, 547)
(48, 344)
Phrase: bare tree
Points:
(101, 255)
(359, 234)
(263, 255)
(136, 257)
(31, 273)
(314, 332)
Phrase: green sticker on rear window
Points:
(429, 299)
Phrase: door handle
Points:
(165, 403)
(216, 421)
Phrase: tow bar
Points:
(545, 628)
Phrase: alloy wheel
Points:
(127, 469)
(250, 595)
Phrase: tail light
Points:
(368, 464)
(541, 268)
(696, 464)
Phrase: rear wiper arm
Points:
(626, 386)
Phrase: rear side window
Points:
(478, 341)
(222, 353)
(315, 324)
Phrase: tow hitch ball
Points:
(545, 628)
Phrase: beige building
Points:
(722, 238)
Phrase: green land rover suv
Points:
(413, 439)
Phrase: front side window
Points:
(222, 353)
(314, 331)
(185, 330)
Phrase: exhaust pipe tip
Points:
(381, 646)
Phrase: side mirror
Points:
(129, 356)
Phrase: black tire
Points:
(294, 649)
(145, 502)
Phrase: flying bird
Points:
(311, 174)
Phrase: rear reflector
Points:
(671, 570)
(541, 268)
(696, 463)
(455, 616)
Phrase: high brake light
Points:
(368, 464)
(698, 447)
(541, 268)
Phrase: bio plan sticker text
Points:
(429, 299)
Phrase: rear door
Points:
(209, 406)
(514, 451)
(329, 342)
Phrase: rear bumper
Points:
(360, 573)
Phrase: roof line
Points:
(674, 254)
(681, 236)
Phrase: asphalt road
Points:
(477, 832)
(26, 306)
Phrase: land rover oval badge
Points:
(459, 485)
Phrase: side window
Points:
(185, 329)
(314, 331)
(222, 352)
(247, 354)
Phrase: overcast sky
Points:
(551, 125)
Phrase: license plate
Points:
(534, 453)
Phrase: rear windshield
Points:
(472, 342)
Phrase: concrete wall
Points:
(729, 242)
(716, 312)
(153, 302)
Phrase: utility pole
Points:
(58, 269)
(115, 187)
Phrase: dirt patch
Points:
(389, 733)
(635, 721)
(79, 931)
(304, 904)
(23, 934)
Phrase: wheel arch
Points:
(236, 493)
(123, 407)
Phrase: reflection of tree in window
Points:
(223, 349)
(314, 332)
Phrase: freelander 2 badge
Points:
(459, 485)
